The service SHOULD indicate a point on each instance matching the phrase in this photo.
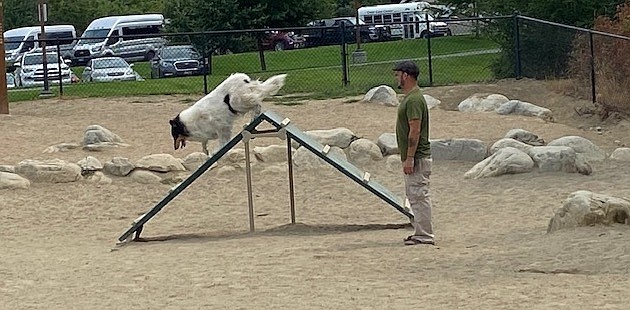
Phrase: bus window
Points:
(378, 19)
(387, 19)
(397, 17)
(368, 19)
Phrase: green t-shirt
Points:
(413, 107)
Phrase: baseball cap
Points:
(408, 67)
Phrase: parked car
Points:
(10, 80)
(30, 69)
(176, 60)
(107, 69)
(280, 40)
(333, 35)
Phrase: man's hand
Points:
(408, 165)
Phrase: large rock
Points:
(118, 166)
(559, 158)
(160, 163)
(90, 163)
(145, 177)
(95, 134)
(49, 171)
(363, 151)
(458, 149)
(482, 103)
(585, 208)
(509, 142)
(13, 181)
(525, 137)
(431, 102)
(305, 159)
(525, 108)
(587, 149)
(340, 137)
(382, 94)
(507, 160)
(388, 144)
(194, 160)
(7, 168)
(619, 154)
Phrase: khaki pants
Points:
(417, 191)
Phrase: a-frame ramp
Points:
(292, 132)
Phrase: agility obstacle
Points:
(283, 130)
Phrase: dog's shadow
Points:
(289, 230)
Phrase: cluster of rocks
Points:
(497, 103)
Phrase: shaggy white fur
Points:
(212, 117)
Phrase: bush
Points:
(611, 62)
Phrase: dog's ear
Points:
(172, 122)
(226, 99)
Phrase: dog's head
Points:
(179, 132)
(245, 94)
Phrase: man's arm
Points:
(414, 137)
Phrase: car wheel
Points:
(150, 55)
(424, 34)
(279, 46)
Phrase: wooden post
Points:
(4, 96)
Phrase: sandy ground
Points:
(57, 242)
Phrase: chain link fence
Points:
(330, 59)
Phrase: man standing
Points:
(412, 135)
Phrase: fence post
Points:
(206, 67)
(592, 47)
(344, 61)
(517, 47)
(261, 53)
(426, 19)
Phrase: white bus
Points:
(21, 40)
(110, 36)
(412, 15)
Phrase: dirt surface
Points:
(345, 251)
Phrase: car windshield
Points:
(94, 36)
(179, 53)
(37, 59)
(12, 43)
(110, 63)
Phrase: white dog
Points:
(212, 117)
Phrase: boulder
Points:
(49, 171)
(458, 149)
(524, 108)
(507, 160)
(559, 158)
(363, 151)
(13, 181)
(619, 154)
(160, 163)
(340, 137)
(118, 166)
(194, 160)
(482, 103)
(585, 208)
(306, 159)
(587, 149)
(388, 144)
(509, 142)
(525, 137)
(382, 94)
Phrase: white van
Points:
(21, 40)
(411, 14)
(131, 37)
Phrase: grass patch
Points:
(314, 73)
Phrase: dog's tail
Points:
(272, 85)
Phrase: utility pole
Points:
(4, 96)
(43, 18)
